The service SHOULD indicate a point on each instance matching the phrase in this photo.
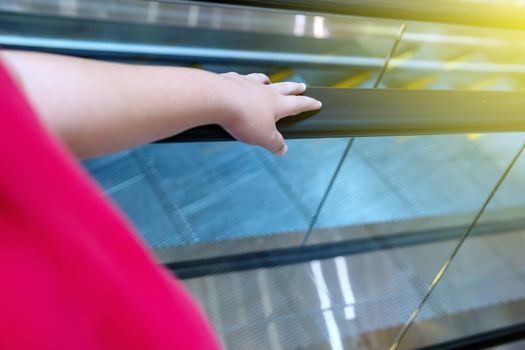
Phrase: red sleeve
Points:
(74, 275)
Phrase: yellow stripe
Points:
(397, 60)
(457, 61)
(353, 80)
(473, 137)
(421, 83)
(404, 139)
(483, 84)
(281, 75)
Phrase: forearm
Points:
(98, 108)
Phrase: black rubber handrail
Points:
(389, 112)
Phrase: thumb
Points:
(276, 144)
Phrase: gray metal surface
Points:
(385, 112)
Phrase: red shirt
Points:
(73, 273)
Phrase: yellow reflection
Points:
(457, 61)
(281, 75)
(421, 83)
(404, 139)
(473, 137)
(483, 84)
(353, 80)
(398, 59)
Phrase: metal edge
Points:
(294, 255)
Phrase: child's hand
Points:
(255, 105)
(112, 106)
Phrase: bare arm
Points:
(98, 107)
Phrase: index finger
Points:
(293, 105)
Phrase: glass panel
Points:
(324, 50)
(395, 213)
(485, 280)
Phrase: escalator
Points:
(335, 245)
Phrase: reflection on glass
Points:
(346, 287)
(485, 272)
(326, 306)
(299, 25)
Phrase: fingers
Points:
(231, 74)
(275, 143)
(259, 78)
(293, 105)
(289, 88)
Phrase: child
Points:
(74, 276)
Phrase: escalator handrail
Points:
(390, 112)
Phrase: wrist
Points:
(228, 107)
(202, 97)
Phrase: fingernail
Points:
(319, 104)
(303, 86)
(283, 151)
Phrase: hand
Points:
(255, 105)
(111, 107)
